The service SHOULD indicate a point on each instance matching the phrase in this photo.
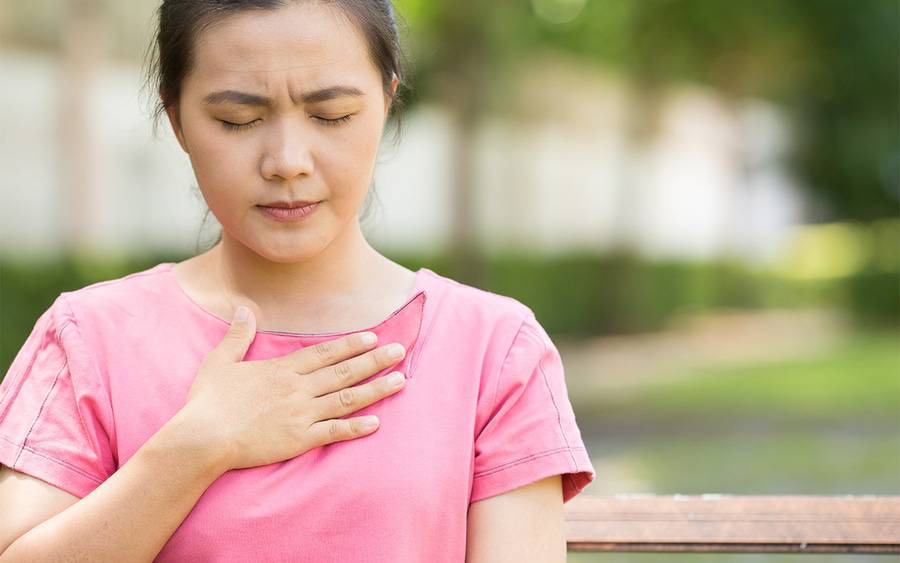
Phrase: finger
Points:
(328, 352)
(351, 399)
(353, 370)
(233, 346)
(329, 431)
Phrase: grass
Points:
(826, 425)
(767, 462)
(860, 378)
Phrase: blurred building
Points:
(560, 170)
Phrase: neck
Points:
(343, 270)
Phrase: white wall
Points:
(710, 183)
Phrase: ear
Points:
(387, 103)
(175, 122)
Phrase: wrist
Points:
(182, 436)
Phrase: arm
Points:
(525, 525)
(132, 514)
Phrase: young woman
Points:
(212, 409)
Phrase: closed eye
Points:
(238, 126)
(325, 121)
(332, 122)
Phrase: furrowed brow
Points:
(330, 93)
(235, 97)
(315, 96)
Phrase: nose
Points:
(287, 152)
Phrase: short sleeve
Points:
(529, 431)
(55, 415)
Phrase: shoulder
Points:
(109, 303)
(79, 325)
(476, 312)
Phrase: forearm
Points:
(133, 513)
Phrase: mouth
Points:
(284, 212)
(288, 204)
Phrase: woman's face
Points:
(310, 109)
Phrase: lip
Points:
(287, 204)
(288, 213)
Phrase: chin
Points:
(285, 252)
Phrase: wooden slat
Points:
(732, 523)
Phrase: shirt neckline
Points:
(418, 289)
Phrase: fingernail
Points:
(395, 350)
(241, 314)
(369, 338)
(396, 378)
(370, 422)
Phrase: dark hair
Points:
(170, 54)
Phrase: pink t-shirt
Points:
(485, 410)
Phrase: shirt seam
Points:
(48, 458)
(434, 294)
(112, 414)
(152, 271)
(556, 407)
(503, 364)
(37, 416)
(509, 464)
(421, 335)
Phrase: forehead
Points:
(303, 41)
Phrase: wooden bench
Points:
(734, 524)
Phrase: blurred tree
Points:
(832, 64)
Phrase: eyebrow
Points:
(315, 96)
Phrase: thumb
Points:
(240, 335)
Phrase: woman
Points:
(141, 424)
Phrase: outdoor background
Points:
(698, 199)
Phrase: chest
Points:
(413, 473)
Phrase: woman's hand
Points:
(271, 410)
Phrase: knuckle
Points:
(334, 430)
(342, 372)
(324, 350)
(346, 397)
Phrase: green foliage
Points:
(874, 296)
(578, 294)
(582, 294)
(830, 64)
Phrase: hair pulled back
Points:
(170, 56)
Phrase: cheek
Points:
(348, 162)
(219, 162)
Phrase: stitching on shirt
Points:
(48, 458)
(38, 415)
(426, 332)
(420, 338)
(73, 379)
(109, 400)
(503, 363)
(558, 418)
(149, 272)
(509, 464)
